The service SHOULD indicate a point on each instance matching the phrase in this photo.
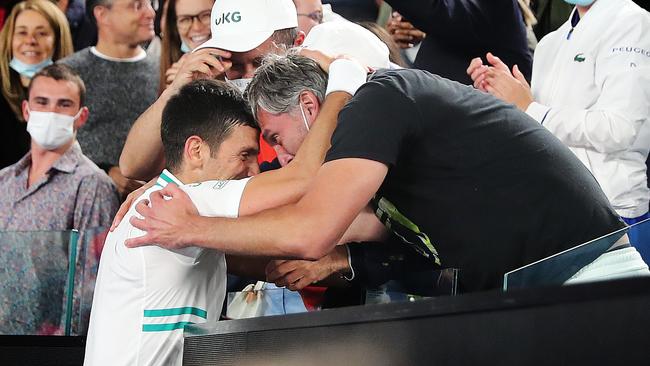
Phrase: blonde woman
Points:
(35, 35)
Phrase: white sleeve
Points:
(217, 198)
(613, 122)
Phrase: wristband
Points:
(346, 76)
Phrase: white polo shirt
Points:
(145, 296)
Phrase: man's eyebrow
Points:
(63, 100)
(252, 150)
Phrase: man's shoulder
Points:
(88, 171)
(405, 86)
(8, 173)
(8, 180)
(78, 59)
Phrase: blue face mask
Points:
(580, 2)
(185, 48)
(28, 70)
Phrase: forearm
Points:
(339, 266)
(365, 227)
(143, 157)
(275, 234)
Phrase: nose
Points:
(249, 71)
(196, 26)
(283, 156)
(285, 159)
(253, 169)
(149, 11)
(31, 39)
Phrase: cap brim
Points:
(238, 43)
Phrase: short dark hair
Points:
(209, 109)
(60, 72)
(90, 8)
(285, 37)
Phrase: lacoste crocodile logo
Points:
(579, 57)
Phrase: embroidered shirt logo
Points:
(579, 57)
(219, 184)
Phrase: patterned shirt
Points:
(34, 228)
(73, 194)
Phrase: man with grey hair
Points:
(451, 171)
(298, 99)
(243, 31)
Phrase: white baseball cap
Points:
(242, 25)
(341, 37)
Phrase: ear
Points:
(192, 152)
(25, 108)
(310, 104)
(300, 38)
(100, 12)
(83, 117)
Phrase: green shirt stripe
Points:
(164, 327)
(176, 311)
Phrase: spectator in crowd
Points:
(234, 52)
(310, 14)
(591, 89)
(35, 34)
(403, 32)
(186, 26)
(465, 169)
(121, 79)
(55, 187)
(406, 36)
(458, 30)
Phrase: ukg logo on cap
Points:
(229, 17)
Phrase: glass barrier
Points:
(47, 279)
(559, 268)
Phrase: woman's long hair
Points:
(12, 88)
(171, 42)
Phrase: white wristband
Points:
(346, 76)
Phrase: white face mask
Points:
(51, 130)
(304, 118)
(240, 84)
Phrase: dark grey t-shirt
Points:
(116, 94)
(491, 188)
